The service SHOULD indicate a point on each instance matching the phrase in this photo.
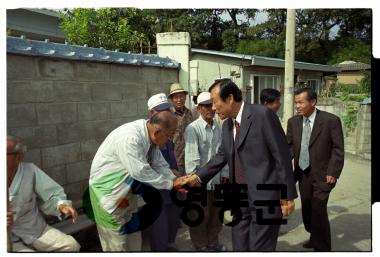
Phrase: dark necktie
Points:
(239, 176)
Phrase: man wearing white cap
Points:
(184, 116)
(203, 138)
(163, 231)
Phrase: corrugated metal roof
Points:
(269, 61)
(354, 66)
(24, 46)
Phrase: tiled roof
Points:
(45, 48)
(354, 66)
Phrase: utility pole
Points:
(289, 65)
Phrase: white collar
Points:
(311, 117)
(240, 113)
(205, 124)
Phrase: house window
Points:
(314, 84)
(259, 83)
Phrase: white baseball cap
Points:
(158, 102)
(204, 98)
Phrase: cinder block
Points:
(20, 67)
(91, 71)
(95, 129)
(124, 109)
(93, 111)
(36, 137)
(75, 191)
(68, 133)
(125, 73)
(71, 92)
(56, 113)
(135, 91)
(58, 174)
(77, 172)
(157, 88)
(34, 156)
(169, 76)
(55, 69)
(62, 154)
(105, 92)
(151, 74)
(89, 148)
(142, 107)
(19, 115)
(30, 92)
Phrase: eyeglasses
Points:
(12, 153)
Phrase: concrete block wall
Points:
(357, 142)
(363, 132)
(64, 109)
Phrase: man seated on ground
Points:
(30, 192)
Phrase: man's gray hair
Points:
(20, 147)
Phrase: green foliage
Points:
(109, 28)
(365, 83)
(228, 30)
(350, 119)
(351, 49)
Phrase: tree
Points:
(109, 28)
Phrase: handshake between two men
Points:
(192, 180)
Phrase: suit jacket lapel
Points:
(298, 132)
(317, 127)
(246, 121)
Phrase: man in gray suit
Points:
(255, 148)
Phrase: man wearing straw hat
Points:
(177, 96)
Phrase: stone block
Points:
(89, 148)
(68, 133)
(95, 129)
(93, 111)
(20, 67)
(55, 69)
(157, 88)
(36, 137)
(135, 91)
(19, 115)
(104, 92)
(151, 74)
(71, 92)
(33, 156)
(78, 171)
(62, 154)
(58, 174)
(125, 73)
(91, 71)
(56, 113)
(30, 92)
(75, 191)
(124, 109)
(169, 76)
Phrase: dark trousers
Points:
(248, 236)
(314, 198)
(207, 232)
(164, 230)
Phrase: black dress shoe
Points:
(308, 245)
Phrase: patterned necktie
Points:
(303, 161)
(239, 176)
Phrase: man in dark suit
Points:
(316, 141)
(255, 148)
